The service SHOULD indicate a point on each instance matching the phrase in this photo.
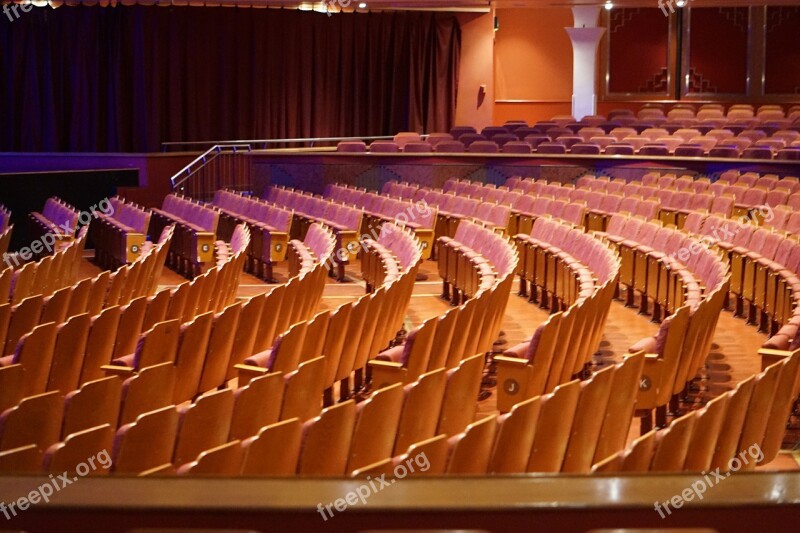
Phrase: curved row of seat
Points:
(118, 236)
(688, 283)
(684, 142)
(286, 390)
(653, 256)
(195, 232)
(463, 269)
(478, 315)
(765, 267)
(344, 220)
(764, 112)
(443, 261)
(254, 433)
(758, 408)
(373, 319)
(623, 136)
(575, 426)
(57, 218)
(45, 276)
(442, 378)
(730, 195)
(343, 439)
(92, 295)
(711, 272)
(48, 343)
(486, 205)
(679, 132)
(563, 431)
(669, 180)
(196, 357)
(750, 251)
(380, 208)
(736, 431)
(575, 275)
(525, 205)
(772, 185)
(557, 142)
(269, 228)
(526, 200)
(385, 259)
(682, 114)
(259, 320)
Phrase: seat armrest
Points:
(118, 370)
(516, 352)
(505, 359)
(247, 373)
(385, 373)
(770, 356)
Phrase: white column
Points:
(585, 36)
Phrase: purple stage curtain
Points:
(126, 79)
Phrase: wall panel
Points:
(638, 51)
(717, 41)
(782, 58)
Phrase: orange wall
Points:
(533, 64)
(477, 68)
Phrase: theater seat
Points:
(688, 150)
(483, 147)
(788, 154)
(384, 147)
(418, 147)
(585, 149)
(351, 146)
(619, 149)
(517, 147)
(551, 148)
(449, 147)
(757, 152)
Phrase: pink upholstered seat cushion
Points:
(777, 342)
(125, 360)
(741, 250)
(647, 344)
(518, 350)
(392, 354)
(259, 359)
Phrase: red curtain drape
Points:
(128, 78)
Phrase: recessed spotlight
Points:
(362, 5)
(609, 6)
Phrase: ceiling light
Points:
(362, 5)
(609, 5)
(680, 3)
